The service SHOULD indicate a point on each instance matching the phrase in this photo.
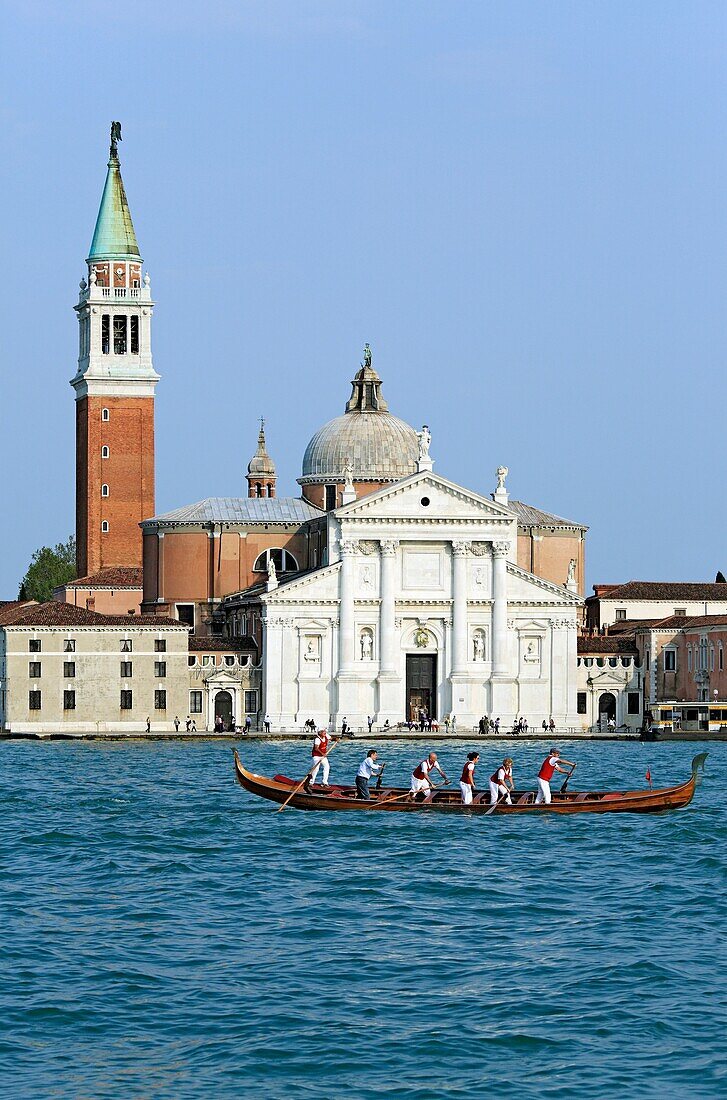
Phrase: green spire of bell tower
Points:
(114, 237)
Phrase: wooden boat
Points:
(396, 799)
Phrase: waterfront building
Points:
(224, 681)
(64, 669)
(652, 600)
(114, 591)
(610, 683)
(114, 385)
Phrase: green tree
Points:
(49, 568)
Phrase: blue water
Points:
(164, 934)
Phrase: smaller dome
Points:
(261, 464)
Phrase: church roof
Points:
(241, 510)
(114, 237)
(528, 516)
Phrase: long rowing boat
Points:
(397, 799)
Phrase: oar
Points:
(381, 776)
(565, 781)
(407, 794)
(306, 776)
(494, 805)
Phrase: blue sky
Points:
(521, 206)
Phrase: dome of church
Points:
(376, 445)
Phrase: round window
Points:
(425, 502)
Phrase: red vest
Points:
(322, 748)
(493, 777)
(419, 771)
(468, 773)
(547, 770)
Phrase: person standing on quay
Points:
(467, 779)
(551, 764)
(176, 723)
(366, 769)
(370, 722)
(188, 724)
(266, 723)
(148, 725)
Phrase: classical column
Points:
(349, 547)
(387, 640)
(459, 608)
(499, 608)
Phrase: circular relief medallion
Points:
(421, 638)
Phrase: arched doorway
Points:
(223, 708)
(606, 709)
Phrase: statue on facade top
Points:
(272, 575)
(502, 472)
(115, 138)
(571, 579)
(425, 438)
(348, 474)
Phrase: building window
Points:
(195, 702)
(711, 658)
(105, 329)
(588, 662)
(670, 660)
(105, 415)
(185, 613)
(34, 645)
(69, 646)
(633, 702)
(613, 661)
(33, 700)
(126, 645)
(331, 494)
(620, 613)
(582, 702)
(104, 452)
(689, 658)
(134, 335)
(229, 660)
(160, 645)
(105, 526)
(283, 561)
(69, 670)
(250, 702)
(680, 612)
(721, 658)
(626, 662)
(120, 334)
(648, 660)
(160, 669)
(208, 659)
(127, 669)
(104, 490)
(160, 699)
(126, 698)
(34, 670)
(69, 700)
(191, 660)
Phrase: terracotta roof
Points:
(666, 590)
(10, 608)
(630, 626)
(606, 644)
(54, 613)
(119, 576)
(690, 622)
(200, 644)
(528, 516)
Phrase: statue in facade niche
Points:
(425, 438)
(366, 646)
(479, 647)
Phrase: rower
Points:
(551, 764)
(501, 783)
(319, 752)
(467, 779)
(366, 769)
(420, 780)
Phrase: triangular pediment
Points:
(523, 586)
(446, 500)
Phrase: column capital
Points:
(460, 548)
(388, 547)
(500, 549)
(348, 546)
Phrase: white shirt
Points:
(367, 768)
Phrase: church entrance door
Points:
(421, 685)
(223, 707)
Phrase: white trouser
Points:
(497, 791)
(466, 789)
(419, 785)
(543, 791)
(317, 761)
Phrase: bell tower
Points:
(114, 385)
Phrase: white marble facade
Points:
(424, 568)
